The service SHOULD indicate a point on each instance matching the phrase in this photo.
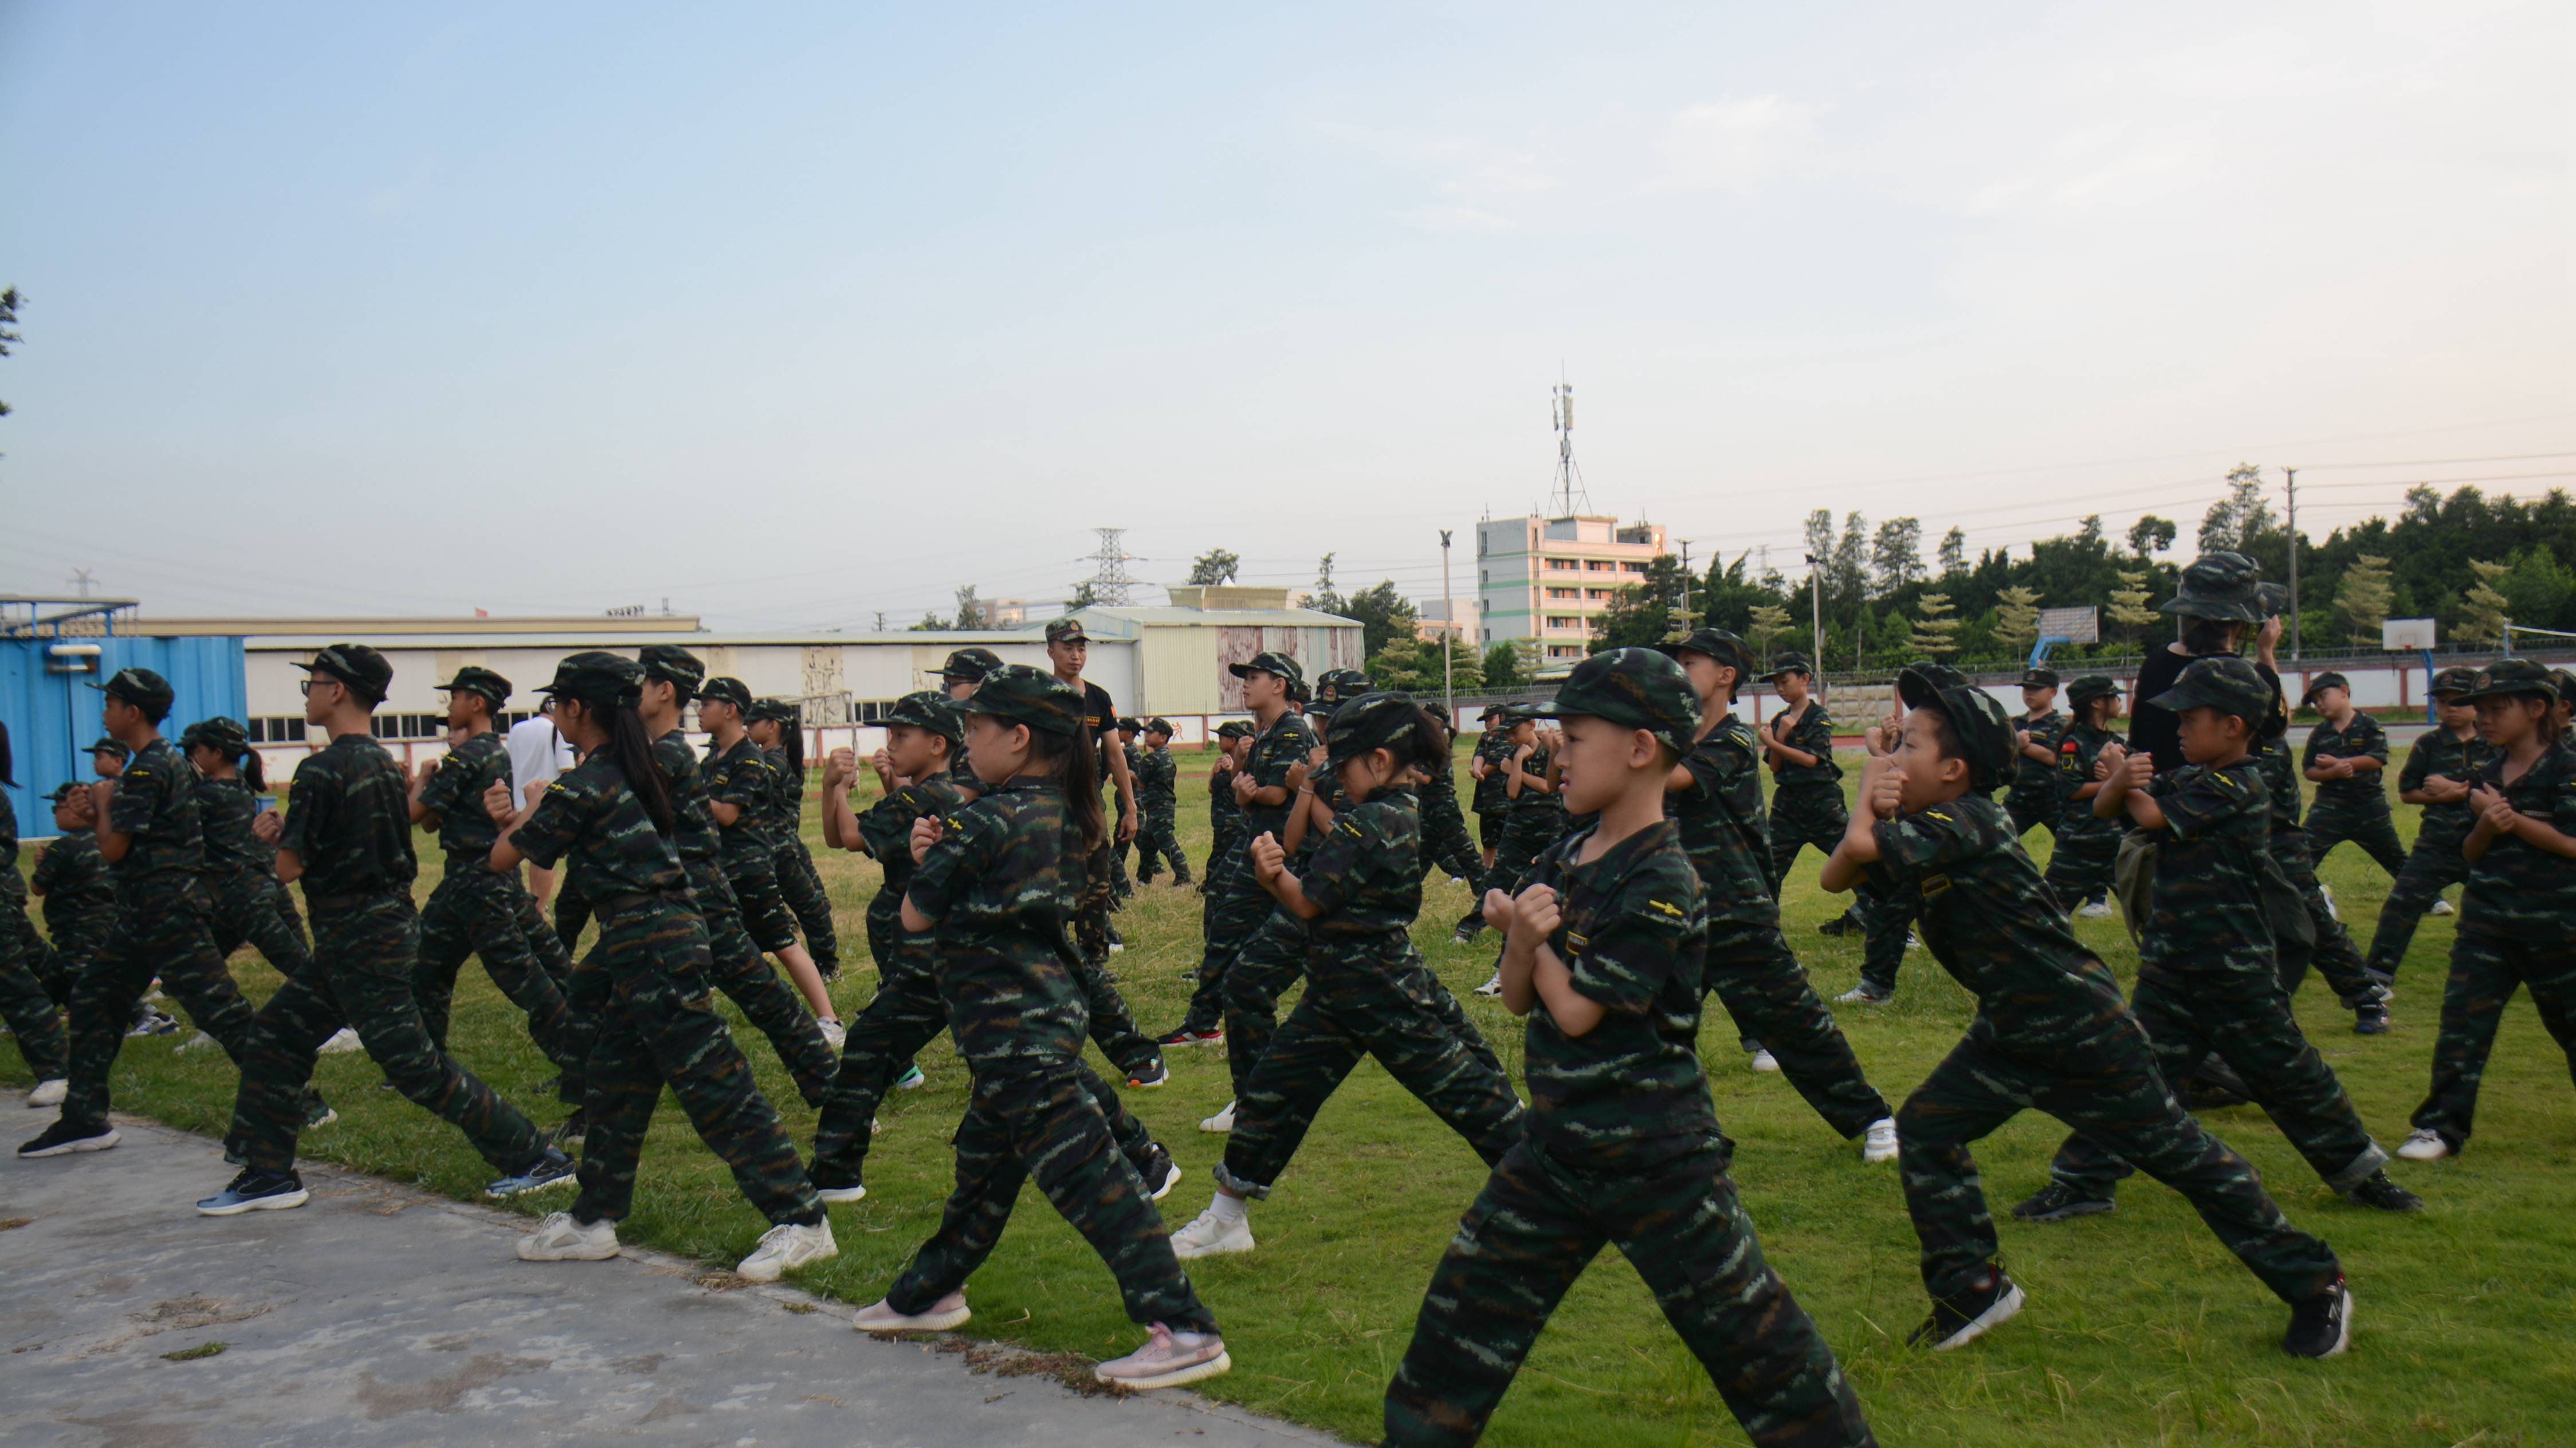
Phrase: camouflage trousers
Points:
(2244, 1017)
(1445, 842)
(1237, 909)
(1804, 815)
(1099, 895)
(1157, 844)
(2434, 865)
(2026, 810)
(1271, 961)
(1120, 887)
(1534, 1228)
(765, 999)
(1035, 1116)
(1886, 925)
(2486, 970)
(906, 1015)
(658, 1027)
(2108, 1089)
(572, 917)
(2333, 954)
(2081, 865)
(476, 912)
(1397, 1017)
(24, 1003)
(2331, 823)
(1227, 846)
(1113, 1026)
(63, 957)
(360, 976)
(763, 909)
(1526, 836)
(251, 906)
(800, 888)
(1490, 824)
(161, 927)
(1752, 972)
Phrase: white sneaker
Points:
(2425, 1146)
(1880, 1144)
(2328, 892)
(561, 1239)
(2096, 910)
(1209, 1235)
(1117, 947)
(49, 1093)
(197, 1042)
(1765, 1061)
(1860, 995)
(786, 1247)
(834, 1033)
(947, 1312)
(2440, 907)
(1167, 1360)
(343, 1041)
(840, 1196)
(1491, 988)
(1911, 943)
(912, 1080)
(1220, 1123)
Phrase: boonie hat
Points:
(2220, 585)
(1633, 688)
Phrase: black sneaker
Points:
(574, 1128)
(318, 1112)
(1161, 1173)
(2058, 1202)
(1839, 925)
(63, 1138)
(255, 1191)
(1958, 1321)
(1192, 1036)
(2370, 1020)
(2378, 1192)
(2321, 1327)
(552, 1169)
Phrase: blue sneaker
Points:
(255, 1191)
(554, 1169)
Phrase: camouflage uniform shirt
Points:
(2443, 753)
(693, 828)
(741, 777)
(2078, 748)
(1366, 876)
(349, 820)
(2211, 869)
(466, 831)
(79, 896)
(1493, 747)
(1633, 934)
(2518, 890)
(156, 804)
(1812, 734)
(2281, 773)
(1156, 780)
(225, 808)
(886, 829)
(1288, 739)
(2362, 739)
(1720, 822)
(2032, 780)
(590, 814)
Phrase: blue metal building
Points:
(52, 650)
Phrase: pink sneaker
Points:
(1167, 1360)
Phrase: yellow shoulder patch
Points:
(1936, 814)
(1674, 911)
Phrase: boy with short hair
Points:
(79, 900)
(1157, 777)
(2440, 771)
(1806, 784)
(2032, 800)
(2087, 851)
(2050, 1032)
(1603, 952)
(2208, 975)
(107, 757)
(2347, 755)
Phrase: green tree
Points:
(2361, 602)
(970, 609)
(930, 623)
(2017, 620)
(1086, 594)
(1954, 553)
(9, 304)
(1326, 599)
(1382, 613)
(1644, 613)
(2483, 611)
(1934, 627)
(2236, 521)
(1770, 624)
(1848, 579)
(2129, 612)
(1502, 667)
(2151, 535)
(1896, 554)
(1214, 566)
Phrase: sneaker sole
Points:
(2343, 1337)
(1217, 1250)
(277, 1203)
(926, 1322)
(840, 1196)
(1211, 1128)
(772, 1274)
(2006, 1308)
(571, 1254)
(566, 1180)
(1214, 1366)
(1169, 1182)
(2444, 1154)
(2070, 1212)
(912, 1083)
(68, 1148)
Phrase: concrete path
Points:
(379, 1314)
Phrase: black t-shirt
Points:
(2156, 731)
(1099, 726)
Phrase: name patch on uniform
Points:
(1934, 885)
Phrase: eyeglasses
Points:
(306, 688)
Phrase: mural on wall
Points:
(1314, 649)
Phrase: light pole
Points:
(1816, 590)
(1448, 635)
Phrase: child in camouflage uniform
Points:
(347, 838)
(1715, 798)
(1620, 1144)
(1806, 784)
(24, 1003)
(612, 821)
(2518, 914)
(79, 897)
(2440, 770)
(2050, 1032)
(2088, 845)
(1158, 795)
(2310, 934)
(1225, 814)
(777, 725)
(998, 880)
(1369, 992)
(2208, 975)
(2347, 755)
(249, 904)
(2032, 800)
(742, 794)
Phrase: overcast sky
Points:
(796, 313)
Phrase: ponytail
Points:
(253, 773)
(631, 750)
(1075, 767)
(791, 729)
(1426, 745)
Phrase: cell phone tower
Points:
(1570, 496)
(1109, 584)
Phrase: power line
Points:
(2441, 462)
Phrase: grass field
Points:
(2141, 1329)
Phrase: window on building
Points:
(1565, 593)
(409, 726)
(1569, 565)
(1633, 567)
(1558, 620)
(276, 729)
(1564, 651)
(1597, 595)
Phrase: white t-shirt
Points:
(537, 754)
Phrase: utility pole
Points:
(880, 620)
(1816, 591)
(84, 578)
(1448, 635)
(2291, 484)
(1684, 623)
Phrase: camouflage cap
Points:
(1718, 644)
(1337, 685)
(471, 679)
(2220, 585)
(725, 689)
(1236, 729)
(2566, 685)
(1491, 711)
(2457, 679)
(2039, 677)
(2507, 678)
(1369, 721)
(596, 676)
(1633, 688)
(1066, 631)
(364, 670)
(2327, 680)
(2091, 687)
(2222, 682)
(1131, 726)
(776, 711)
(1269, 661)
(970, 665)
(105, 745)
(1977, 718)
(2272, 598)
(1792, 662)
(1160, 725)
(932, 710)
(66, 790)
(143, 689)
(223, 735)
(1034, 697)
(675, 666)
